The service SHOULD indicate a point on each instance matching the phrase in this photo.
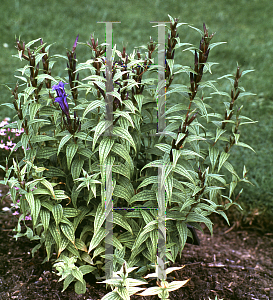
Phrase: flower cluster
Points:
(61, 99)
(7, 142)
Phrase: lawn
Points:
(246, 26)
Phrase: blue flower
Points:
(61, 99)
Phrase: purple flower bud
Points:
(75, 44)
(61, 99)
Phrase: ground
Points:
(233, 264)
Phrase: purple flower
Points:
(61, 99)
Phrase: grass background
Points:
(246, 26)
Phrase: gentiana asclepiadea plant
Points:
(59, 174)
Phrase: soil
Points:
(233, 264)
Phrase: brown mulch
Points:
(232, 265)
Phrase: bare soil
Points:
(233, 264)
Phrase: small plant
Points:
(97, 130)
(124, 286)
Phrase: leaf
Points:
(143, 195)
(175, 285)
(55, 233)
(244, 145)
(41, 138)
(70, 278)
(104, 149)
(30, 200)
(49, 186)
(57, 212)
(93, 105)
(85, 152)
(183, 233)
(182, 171)
(63, 141)
(80, 287)
(68, 231)
(71, 150)
(122, 152)
(46, 152)
(99, 129)
(121, 192)
(80, 245)
(121, 221)
(54, 172)
(45, 217)
(213, 155)
(223, 157)
(99, 219)
(83, 136)
(35, 211)
(70, 212)
(33, 108)
(76, 168)
(246, 71)
(96, 239)
(46, 76)
(123, 133)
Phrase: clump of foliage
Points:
(63, 172)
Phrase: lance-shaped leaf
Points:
(100, 129)
(96, 239)
(63, 141)
(71, 150)
(45, 218)
(99, 219)
(123, 133)
(121, 221)
(104, 149)
(57, 212)
(68, 231)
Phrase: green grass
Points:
(246, 26)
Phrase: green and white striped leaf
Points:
(145, 195)
(41, 138)
(71, 150)
(213, 155)
(182, 171)
(54, 172)
(33, 108)
(57, 212)
(99, 219)
(123, 133)
(104, 149)
(121, 150)
(55, 232)
(121, 221)
(183, 233)
(46, 152)
(45, 218)
(68, 231)
(121, 192)
(63, 141)
(63, 243)
(49, 186)
(93, 105)
(96, 239)
(80, 245)
(76, 168)
(223, 157)
(30, 200)
(85, 152)
(70, 212)
(35, 211)
(100, 129)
